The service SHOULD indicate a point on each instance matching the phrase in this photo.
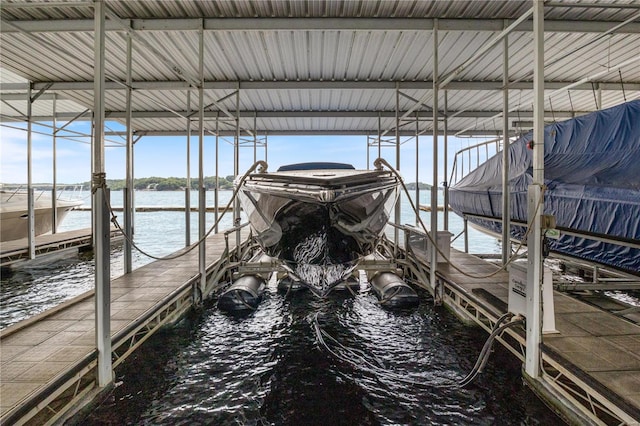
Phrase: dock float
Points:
(593, 362)
(18, 250)
(48, 362)
(147, 209)
(427, 208)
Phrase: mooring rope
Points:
(486, 349)
(99, 182)
(381, 161)
(359, 358)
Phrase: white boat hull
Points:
(14, 221)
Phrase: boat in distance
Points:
(319, 219)
(592, 180)
(14, 221)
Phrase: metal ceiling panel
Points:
(331, 54)
(500, 9)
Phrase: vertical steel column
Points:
(379, 133)
(101, 247)
(215, 192)
(236, 168)
(417, 163)
(434, 189)
(368, 152)
(446, 161)
(128, 190)
(31, 214)
(506, 203)
(466, 234)
(187, 192)
(255, 138)
(536, 202)
(202, 200)
(266, 140)
(397, 220)
(54, 190)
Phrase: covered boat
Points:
(320, 219)
(592, 175)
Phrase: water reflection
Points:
(268, 368)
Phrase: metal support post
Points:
(236, 169)
(536, 202)
(465, 222)
(54, 190)
(101, 247)
(368, 152)
(215, 193)
(417, 166)
(255, 138)
(380, 135)
(202, 201)
(445, 184)
(434, 190)
(31, 214)
(187, 191)
(128, 190)
(397, 220)
(506, 210)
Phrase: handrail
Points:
(476, 147)
(43, 188)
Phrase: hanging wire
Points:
(624, 95)
(595, 98)
(358, 358)
(262, 165)
(381, 161)
(520, 131)
(483, 358)
(571, 102)
(553, 115)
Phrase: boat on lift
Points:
(592, 179)
(14, 221)
(319, 219)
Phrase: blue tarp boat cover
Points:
(592, 174)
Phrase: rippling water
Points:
(268, 368)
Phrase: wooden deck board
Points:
(598, 343)
(45, 348)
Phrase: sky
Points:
(167, 156)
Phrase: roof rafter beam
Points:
(422, 115)
(335, 132)
(316, 24)
(313, 85)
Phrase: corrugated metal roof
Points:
(329, 66)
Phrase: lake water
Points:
(394, 367)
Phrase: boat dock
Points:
(18, 250)
(593, 361)
(208, 74)
(49, 361)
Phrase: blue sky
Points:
(166, 156)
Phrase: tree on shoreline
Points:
(155, 183)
